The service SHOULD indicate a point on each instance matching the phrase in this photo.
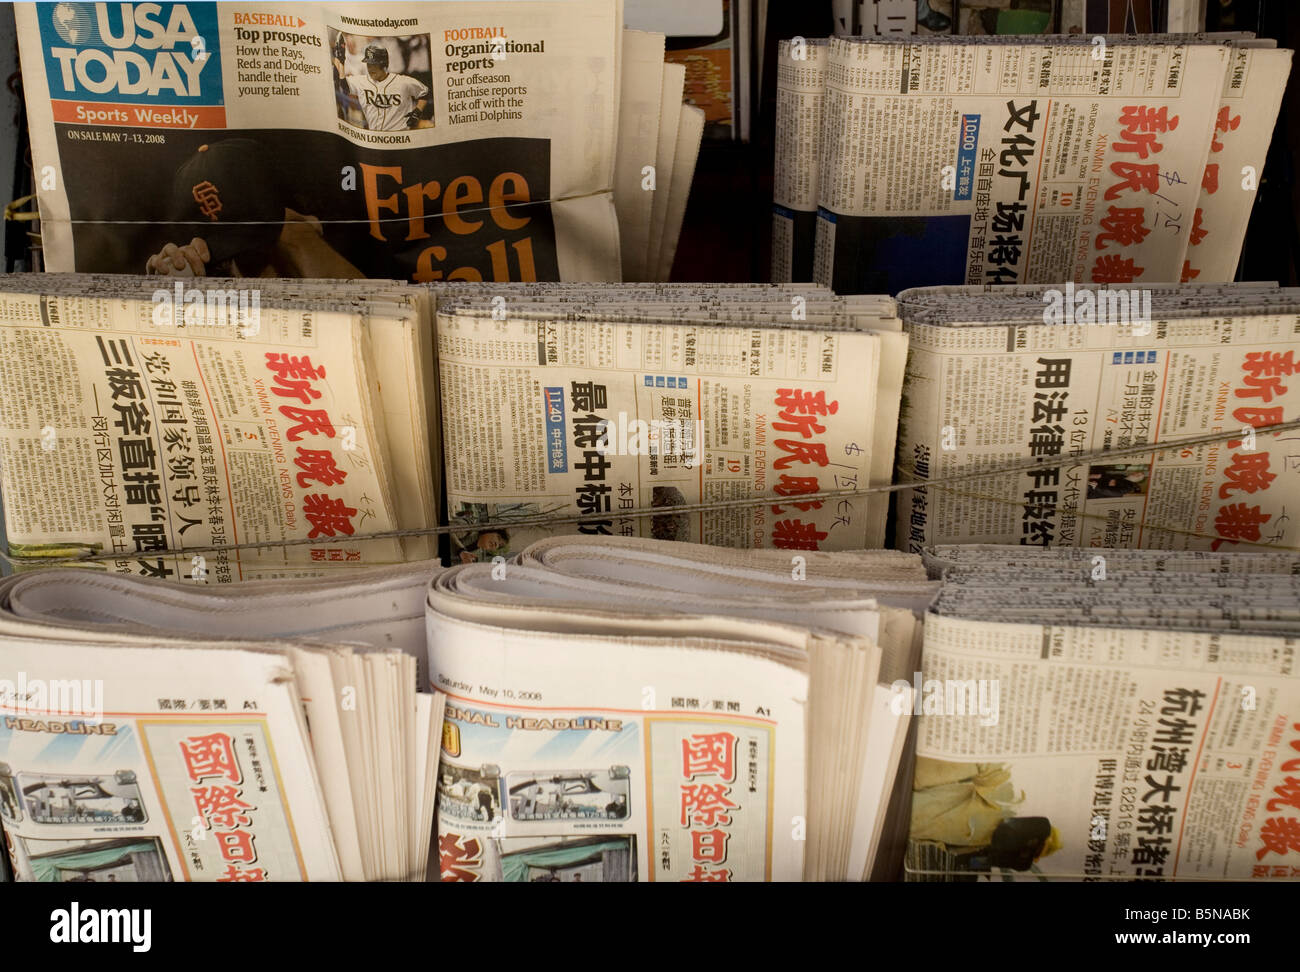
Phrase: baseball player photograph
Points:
(372, 92)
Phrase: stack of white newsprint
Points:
(716, 716)
(1025, 375)
(1106, 159)
(1145, 719)
(459, 140)
(599, 401)
(148, 416)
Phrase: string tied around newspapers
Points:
(948, 483)
(461, 211)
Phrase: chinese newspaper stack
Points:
(459, 140)
(1145, 720)
(296, 427)
(1028, 374)
(623, 709)
(616, 710)
(599, 401)
(265, 731)
(147, 416)
(1000, 161)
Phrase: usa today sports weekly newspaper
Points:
(448, 141)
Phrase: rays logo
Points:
(160, 53)
(383, 101)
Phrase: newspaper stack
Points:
(724, 718)
(1022, 375)
(149, 417)
(641, 710)
(1144, 719)
(459, 140)
(295, 428)
(185, 715)
(600, 402)
(1103, 159)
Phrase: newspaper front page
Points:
(1011, 163)
(689, 768)
(132, 430)
(446, 141)
(989, 395)
(1116, 754)
(578, 417)
(197, 770)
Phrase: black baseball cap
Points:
(375, 54)
(227, 193)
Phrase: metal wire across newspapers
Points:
(367, 220)
(940, 483)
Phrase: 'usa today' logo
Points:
(134, 53)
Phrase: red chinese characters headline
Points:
(294, 376)
(217, 781)
(1224, 123)
(1248, 471)
(1125, 226)
(708, 770)
(459, 858)
(1280, 835)
(799, 412)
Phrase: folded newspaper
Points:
(1105, 159)
(1029, 374)
(606, 402)
(627, 709)
(1146, 722)
(268, 731)
(151, 416)
(459, 140)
